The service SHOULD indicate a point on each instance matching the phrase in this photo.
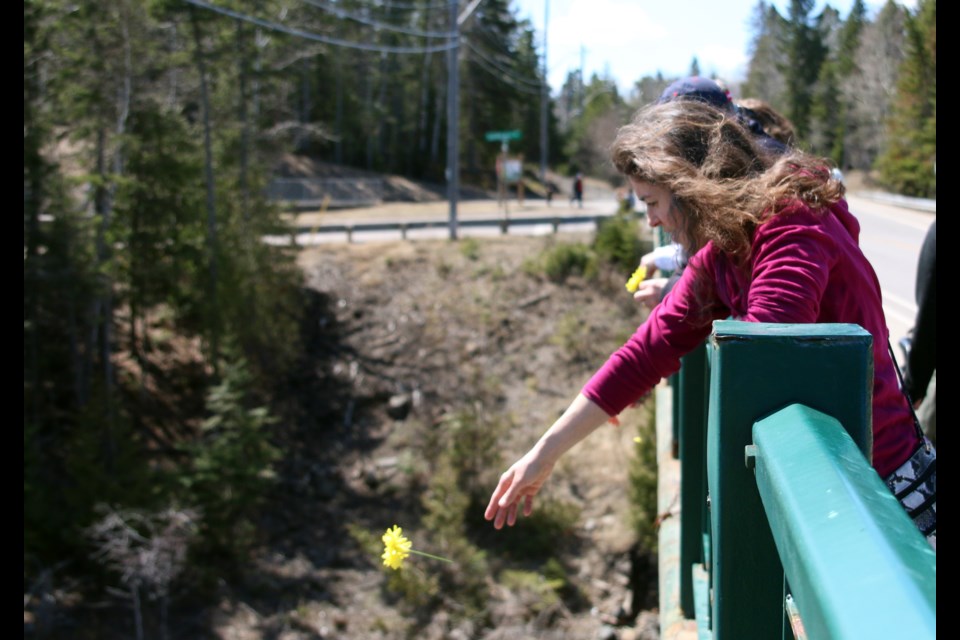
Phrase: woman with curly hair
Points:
(771, 240)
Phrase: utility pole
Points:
(544, 101)
(453, 118)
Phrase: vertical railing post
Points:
(691, 401)
(756, 369)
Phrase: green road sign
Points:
(503, 136)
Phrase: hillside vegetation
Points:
(425, 368)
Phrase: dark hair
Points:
(773, 123)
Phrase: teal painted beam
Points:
(857, 565)
(755, 370)
(701, 590)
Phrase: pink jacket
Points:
(806, 266)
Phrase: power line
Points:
(508, 78)
(376, 24)
(508, 72)
(410, 6)
(317, 37)
(493, 37)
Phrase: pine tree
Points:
(805, 54)
(868, 93)
(908, 164)
(766, 76)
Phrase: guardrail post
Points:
(756, 369)
(692, 383)
(349, 233)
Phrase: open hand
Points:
(519, 484)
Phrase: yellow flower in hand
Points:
(634, 282)
(396, 547)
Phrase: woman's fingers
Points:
(512, 514)
(506, 480)
(504, 505)
(649, 292)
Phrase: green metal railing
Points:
(855, 563)
(755, 393)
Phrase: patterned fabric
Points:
(915, 486)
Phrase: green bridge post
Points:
(691, 419)
(755, 370)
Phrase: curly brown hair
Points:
(723, 183)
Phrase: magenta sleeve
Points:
(674, 328)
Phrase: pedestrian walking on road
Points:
(577, 192)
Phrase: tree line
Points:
(860, 90)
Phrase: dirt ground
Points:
(399, 339)
(440, 326)
(428, 325)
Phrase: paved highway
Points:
(890, 237)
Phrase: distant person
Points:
(699, 89)
(576, 194)
(920, 379)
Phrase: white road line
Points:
(909, 305)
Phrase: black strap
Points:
(906, 394)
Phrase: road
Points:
(891, 235)
(312, 224)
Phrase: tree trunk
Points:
(242, 180)
(212, 245)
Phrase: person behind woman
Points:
(920, 376)
(773, 123)
(771, 240)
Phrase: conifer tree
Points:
(805, 53)
(909, 162)
(768, 66)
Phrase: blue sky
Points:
(631, 38)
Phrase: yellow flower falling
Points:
(634, 282)
(396, 547)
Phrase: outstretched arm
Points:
(522, 481)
